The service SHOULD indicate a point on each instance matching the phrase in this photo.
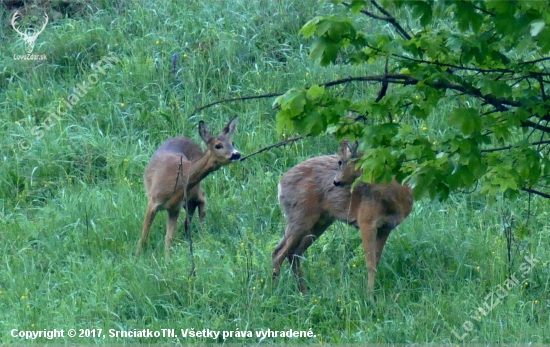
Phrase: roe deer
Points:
(316, 192)
(172, 178)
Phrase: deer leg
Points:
(191, 255)
(172, 222)
(298, 226)
(201, 203)
(381, 238)
(279, 255)
(189, 212)
(295, 257)
(190, 205)
(285, 250)
(368, 239)
(147, 222)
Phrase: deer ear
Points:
(204, 131)
(344, 148)
(353, 148)
(230, 127)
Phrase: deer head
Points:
(346, 173)
(31, 34)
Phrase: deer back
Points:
(164, 167)
(307, 191)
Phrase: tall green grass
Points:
(71, 206)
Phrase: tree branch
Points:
(534, 125)
(403, 79)
(390, 19)
(367, 13)
(457, 67)
(529, 190)
(375, 78)
(248, 97)
(482, 10)
(490, 150)
(279, 144)
(534, 61)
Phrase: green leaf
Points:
(309, 28)
(293, 102)
(423, 11)
(467, 16)
(315, 91)
(296, 104)
(544, 40)
(522, 232)
(357, 5)
(329, 54)
(284, 121)
(467, 119)
(323, 26)
(277, 101)
(317, 50)
(419, 112)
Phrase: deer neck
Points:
(199, 169)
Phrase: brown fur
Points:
(312, 197)
(181, 163)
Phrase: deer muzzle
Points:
(235, 156)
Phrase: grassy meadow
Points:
(72, 199)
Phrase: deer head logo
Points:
(31, 34)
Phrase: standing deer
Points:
(316, 192)
(172, 178)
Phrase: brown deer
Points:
(316, 192)
(172, 178)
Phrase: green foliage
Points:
(487, 61)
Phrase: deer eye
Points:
(339, 163)
(219, 146)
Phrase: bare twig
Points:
(174, 64)
(490, 150)
(384, 88)
(534, 61)
(179, 173)
(186, 204)
(536, 126)
(481, 9)
(390, 19)
(188, 225)
(529, 190)
(249, 97)
(279, 144)
(403, 79)
(367, 13)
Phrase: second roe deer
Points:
(172, 177)
(316, 192)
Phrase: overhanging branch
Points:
(491, 150)
(529, 190)
(536, 126)
(278, 144)
(242, 98)
(388, 18)
(502, 104)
